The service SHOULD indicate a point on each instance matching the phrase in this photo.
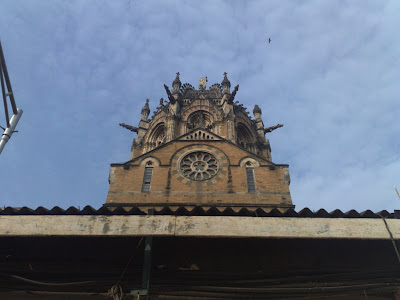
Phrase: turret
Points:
(176, 85)
(145, 111)
(226, 84)
(227, 99)
(261, 131)
(140, 130)
(257, 112)
(258, 121)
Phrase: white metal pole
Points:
(9, 130)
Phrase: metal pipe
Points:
(8, 82)
(3, 92)
(147, 263)
(9, 130)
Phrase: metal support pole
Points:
(8, 82)
(11, 124)
(147, 263)
(3, 91)
(9, 130)
(146, 266)
(146, 269)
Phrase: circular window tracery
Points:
(199, 166)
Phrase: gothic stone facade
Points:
(200, 148)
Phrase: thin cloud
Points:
(79, 68)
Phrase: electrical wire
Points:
(47, 283)
(130, 260)
(392, 239)
(115, 291)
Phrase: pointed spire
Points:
(256, 110)
(176, 84)
(226, 84)
(145, 110)
(146, 106)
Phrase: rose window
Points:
(199, 166)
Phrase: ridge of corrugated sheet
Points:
(199, 211)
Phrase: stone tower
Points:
(200, 148)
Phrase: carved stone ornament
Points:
(202, 83)
(199, 166)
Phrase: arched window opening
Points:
(199, 119)
(148, 173)
(244, 137)
(157, 137)
(251, 184)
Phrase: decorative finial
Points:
(176, 84)
(256, 110)
(145, 110)
(177, 80)
(146, 107)
(226, 84)
(161, 102)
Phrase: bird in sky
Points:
(269, 40)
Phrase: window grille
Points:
(251, 184)
(148, 172)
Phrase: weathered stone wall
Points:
(200, 226)
(229, 186)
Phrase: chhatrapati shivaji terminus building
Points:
(200, 148)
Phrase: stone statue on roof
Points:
(202, 83)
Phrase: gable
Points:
(164, 152)
(200, 134)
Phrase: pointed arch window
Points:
(251, 183)
(200, 119)
(148, 174)
(156, 137)
(249, 164)
(244, 137)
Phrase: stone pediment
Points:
(200, 134)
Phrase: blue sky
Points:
(330, 75)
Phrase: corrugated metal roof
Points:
(199, 211)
